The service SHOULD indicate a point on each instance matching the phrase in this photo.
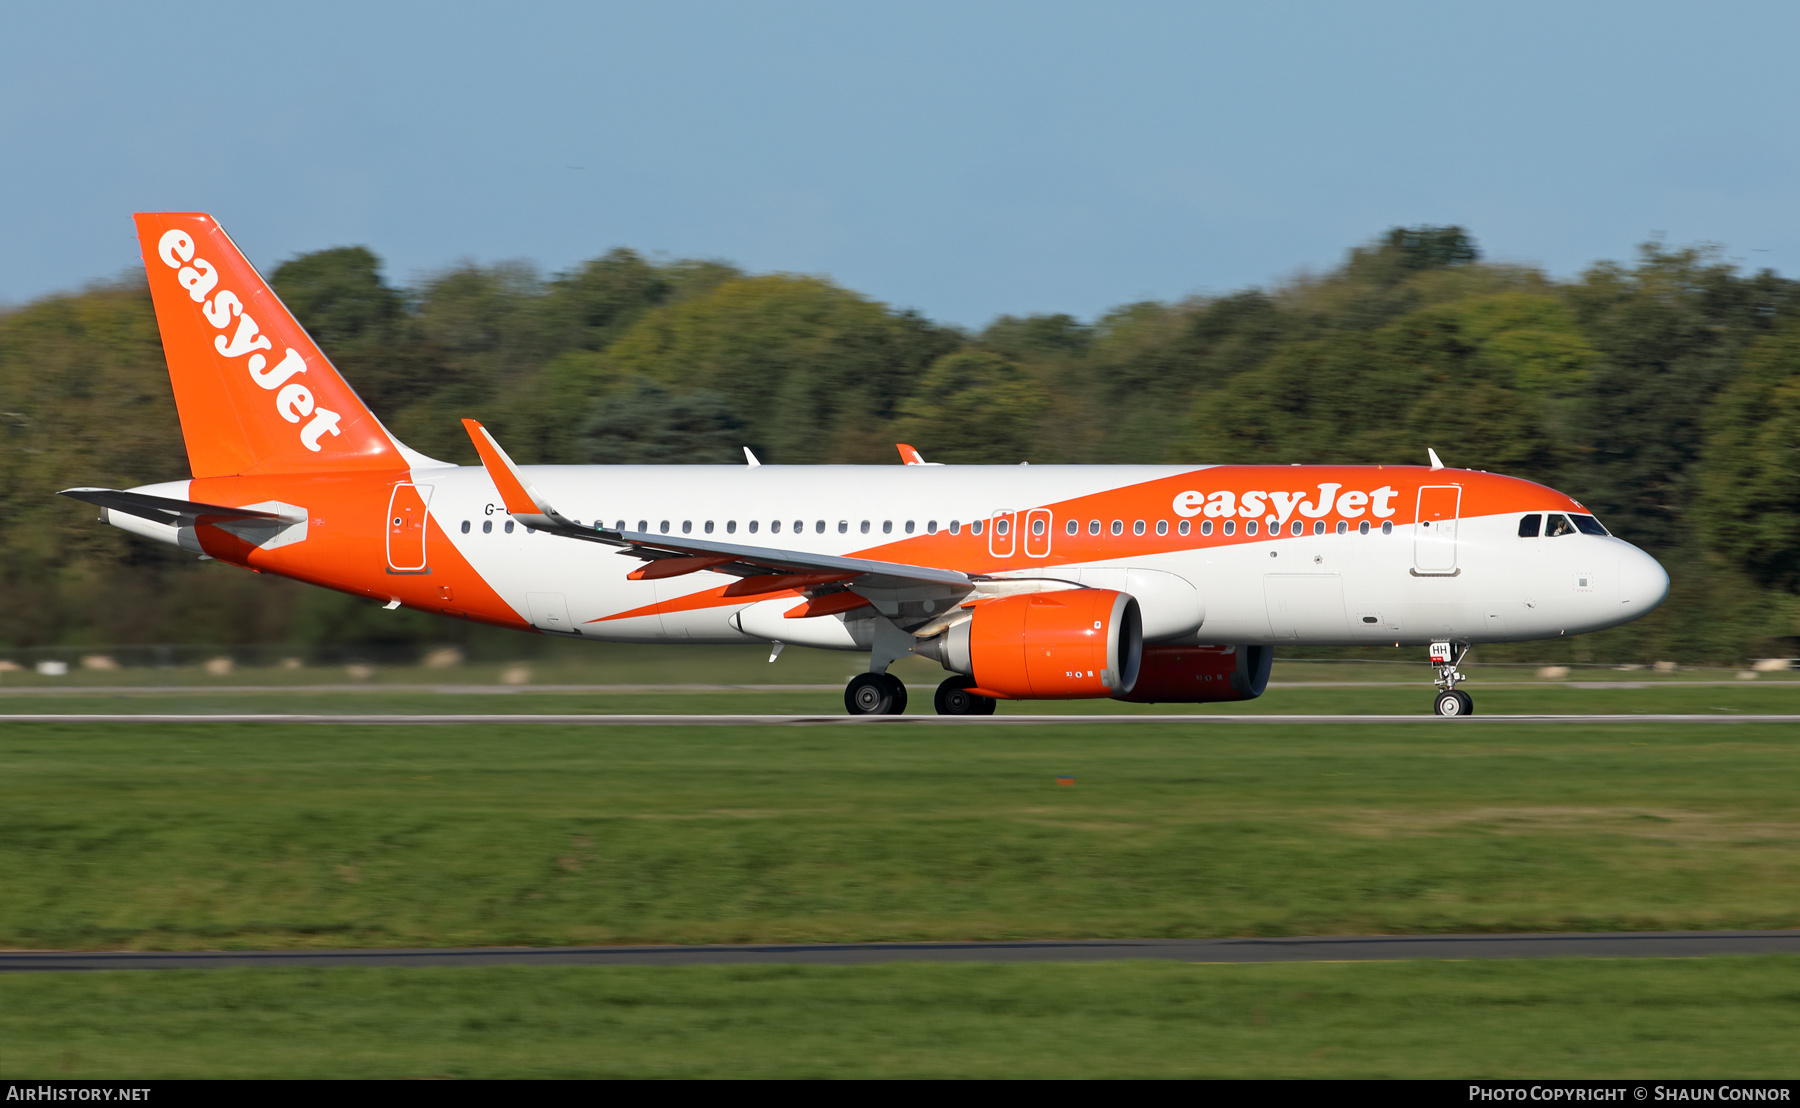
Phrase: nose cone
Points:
(1643, 583)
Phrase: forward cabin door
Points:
(406, 528)
(1434, 532)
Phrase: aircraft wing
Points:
(164, 509)
(674, 555)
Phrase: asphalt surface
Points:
(340, 719)
(1347, 948)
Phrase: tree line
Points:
(1664, 393)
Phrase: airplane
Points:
(1140, 583)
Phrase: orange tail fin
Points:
(254, 393)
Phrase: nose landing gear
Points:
(1449, 701)
(875, 694)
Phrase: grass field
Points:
(1733, 1017)
(222, 835)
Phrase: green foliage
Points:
(807, 366)
(1661, 392)
(646, 424)
(973, 407)
(1749, 479)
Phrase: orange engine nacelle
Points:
(1049, 646)
(1200, 674)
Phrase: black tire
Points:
(1449, 704)
(953, 698)
(1468, 703)
(897, 695)
(869, 694)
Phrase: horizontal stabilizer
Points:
(163, 509)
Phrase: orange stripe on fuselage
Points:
(346, 544)
(1484, 494)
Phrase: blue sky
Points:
(966, 159)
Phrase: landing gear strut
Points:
(954, 699)
(1448, 701)
(875, 694)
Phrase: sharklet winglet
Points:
(521, 500)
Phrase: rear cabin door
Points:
(406, 528)
(1434, 532)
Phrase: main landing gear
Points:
(1449, 701)
(875, 694)
(882, 694)
(954, 699)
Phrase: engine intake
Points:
(1047, 646)
(1200, 674)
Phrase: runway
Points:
(489, 719)
(1345, 948)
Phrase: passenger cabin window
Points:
(709, 526)
(1297, 528)
(1162, 526)
(909, 526)
(1530, 525)
(1588, 525)
(465, 527)
(1343, 527)
(975, 528)
(775, 527)
(865, 526)
(753, 525)
(843, 527)
(687, 526)
(665, 526)
(643, 525)
(1138, 527)
(1000, 526)
(1557, 525)
(1183, 527)
(1072, 527)
(799, 527)
(1387, 526)
(931, 527)
(1206, 527)
(509, 526)
(731, 527)
(1231, 526)
(1037, 527)
(1118, 527)
(1249, 528)
(887, 526)
(955, 527)
(487, 526)
(819, 527)
(1093, 527)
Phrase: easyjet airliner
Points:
(1139, 583)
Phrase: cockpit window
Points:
(1557, 526)
(1588, 525)
(1529, 525)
